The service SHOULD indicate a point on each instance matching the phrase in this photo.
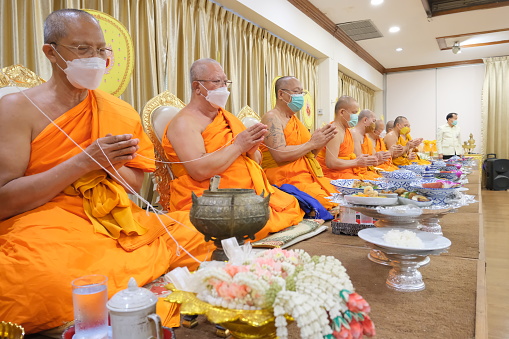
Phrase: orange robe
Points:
(346, 152)
(304, 173)
(44, 249)
(367, 148)
(388, 165)
(403, 160)
(242, 173)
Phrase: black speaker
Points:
(496, 173)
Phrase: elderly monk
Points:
(364, 145)
(289, 150)
(62, 216)
(338, 158)
(210, 141)
(400, 135)
(379, 146)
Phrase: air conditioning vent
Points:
(360, 30)
(447, 5)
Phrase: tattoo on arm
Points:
(276, 135)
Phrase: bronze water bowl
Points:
(224, 213)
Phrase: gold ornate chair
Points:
(156, 114)
(17, 75)
(248, 116)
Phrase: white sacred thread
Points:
(119, 178)
(217, 150)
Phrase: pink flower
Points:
(357, 304)
(231, 291)
(232, 269)
(343, 334)
(356, 329)
(368, 327)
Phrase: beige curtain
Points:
(495, 107)
(364, 95)
(168, 35)
(284, 59)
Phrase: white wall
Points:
(425, 97)
(283, 19)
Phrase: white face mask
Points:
(86, 73)
(217, 97)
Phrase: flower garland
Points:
(315, 291)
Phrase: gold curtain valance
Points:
(364, 95)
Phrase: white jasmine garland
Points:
(310, 290)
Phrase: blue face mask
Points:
(455, 122)
(354, 118)
(296, 103)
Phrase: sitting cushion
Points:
(161, 117)
(9, 90)
(250, 121)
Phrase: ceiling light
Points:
(456, 48)
(394, 29)
(376, 2)
(399, 49)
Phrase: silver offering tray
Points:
(423, 219)
(420, 218)
(404, 275)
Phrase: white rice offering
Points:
(404, 238)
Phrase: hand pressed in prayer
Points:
(322, 136)
(383, 156)
(412, 156)
(365, 160)
(113, 150)
(250, 139)
(416, 142)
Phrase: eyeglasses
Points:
(86, 50)
(226, 83)
(295, 92)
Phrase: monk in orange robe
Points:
(338, 158)
(400, 135)
(363, 144)
(377, 144)
(204, 130)
(289, 150)
(61, 215)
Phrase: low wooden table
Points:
(453, 305)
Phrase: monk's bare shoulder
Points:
(390, 138)
(16, 112)
(15, 136)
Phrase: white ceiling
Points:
(418, 34)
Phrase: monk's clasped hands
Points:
(250, 139)
(113, 150)
(323, 135)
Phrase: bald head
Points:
(366, 113)
(344, 102)
(400, 120)
(379, 126)
(283, 83)
(56, 24)
(201, 68)
(389, 126)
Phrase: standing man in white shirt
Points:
(449, 138)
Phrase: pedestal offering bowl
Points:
(224, 213)
(400, 179)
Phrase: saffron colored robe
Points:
(403, 160)
(304, 173)
(346, 152)
(367, 148)
(44, 249)
(388, 165)
(242, 173)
